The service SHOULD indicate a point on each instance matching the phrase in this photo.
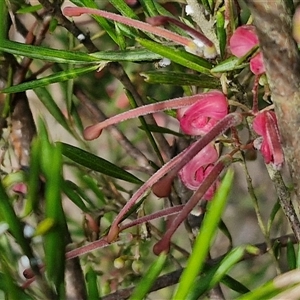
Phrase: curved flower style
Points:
(194, 172)
(200, 117)
(265, 124)
(241, 42)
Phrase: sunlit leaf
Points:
(178, 56)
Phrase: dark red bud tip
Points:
(90, 133)
(157, 21)
(72, 11)
(161, 246)
(163, 187)
(28, 274)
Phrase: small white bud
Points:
(198, 43)
(25, 262)
(164, 62)
(189, 10)
(81, 37)
(28, 231)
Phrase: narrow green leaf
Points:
(126, 55)
(46, 98)
(29, 9)
(54, 239)
(53, 78)
(48, 54)
(230, 64)
(213, 278)
(178, 56)
(148, 279)
(226, 232)
(221, 33)
(275, 210)
(291, 255)
(266, 291)
(34, 183)
(201, 247)
(71, 193)
(124, 9)
(149, 7)
(91, 184)
(96, 163)
(92, 284)
(180, 79)
(234, 285)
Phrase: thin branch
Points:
(173, 277)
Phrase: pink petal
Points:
(259, 124)
(200, 176)
(243, 40)
(201, 116)
(190, 174)
(265, 124)
(257, 65)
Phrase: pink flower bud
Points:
(241, 42)
(200, 117)
(257, 66)
(194, 172)
(265, 124)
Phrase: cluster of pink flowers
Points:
(201, 116)
(198, 119)
(265, 123)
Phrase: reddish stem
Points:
(157, 215)
(94, 131)
(255, 94)
(164, 244)
(174, 165)
(169, 35)
(162, 20)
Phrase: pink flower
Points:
(194, 172)
(200, 117)
(265, 124)
(241, 42)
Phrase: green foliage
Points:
(63, 197)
